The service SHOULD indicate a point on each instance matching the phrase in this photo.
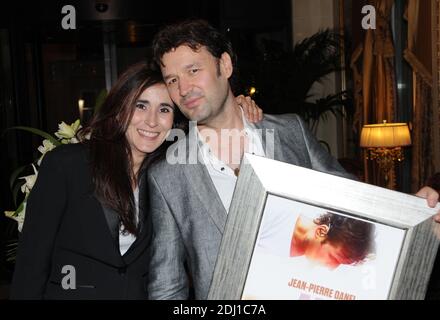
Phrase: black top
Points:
(66, 226)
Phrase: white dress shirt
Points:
(221, 174)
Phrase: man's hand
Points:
(431, 197)
(251, 111)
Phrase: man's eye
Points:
(195, 70)
(172, 81)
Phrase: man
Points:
(332, 240)
(323, 238)
(189, 202)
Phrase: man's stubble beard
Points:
(207, 119)
(215, 113)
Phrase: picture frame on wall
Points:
(297, 234)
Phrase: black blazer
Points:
(66, 225)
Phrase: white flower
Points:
(67, 132)
(18, 216)
(74, 140)
(47, 146)
(30, 181)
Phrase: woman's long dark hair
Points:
(110, 153)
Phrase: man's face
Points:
(326, 254)
(197, 81)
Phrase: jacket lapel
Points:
(273, 141)
(270, 139)
(144, 236)
(112, 225)
(203, 187)
(112, 219)
(142, 201)
(201, 183)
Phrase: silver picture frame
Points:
(261, 178)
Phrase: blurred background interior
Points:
(310, 57)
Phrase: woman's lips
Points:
(148, 134)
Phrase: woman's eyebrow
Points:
(164, 104)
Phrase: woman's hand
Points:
(252, 112)
(431, 197)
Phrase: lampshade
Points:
(385, 135)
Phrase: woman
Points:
(86, 232)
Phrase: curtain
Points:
(375, 84)
(424, 128)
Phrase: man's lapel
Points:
(203, 187)
(201, 183)
(272, 142)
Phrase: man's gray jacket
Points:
(189, 218)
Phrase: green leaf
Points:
(20, 207)
(75, 125)
(37, 132)
(15, 174)
(15, 191)
(11, 250)
(100, 100)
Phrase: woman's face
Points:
(151, 121)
